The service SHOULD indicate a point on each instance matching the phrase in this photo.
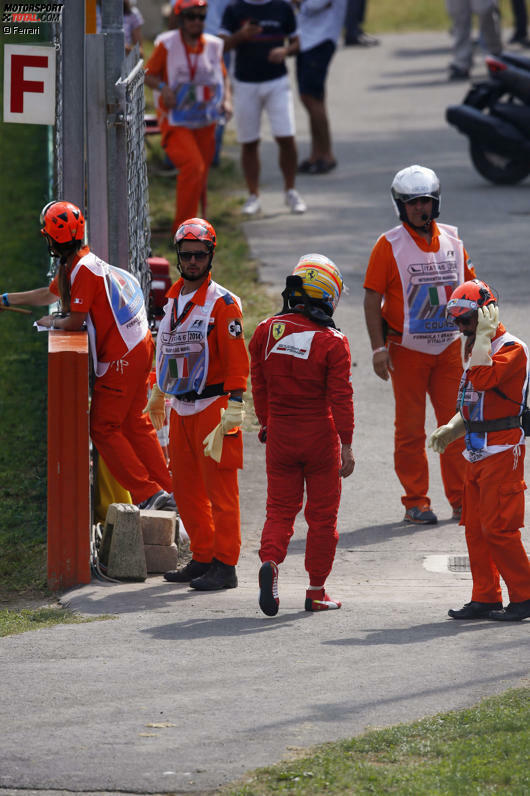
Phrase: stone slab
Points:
(161, 558)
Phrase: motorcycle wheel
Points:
(497, 168)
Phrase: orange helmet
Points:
(468, 297)
(196, 229)
(63, 222)
(183, 5)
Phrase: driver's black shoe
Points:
(474, 610)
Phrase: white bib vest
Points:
(182, 355)
(471, 405)
(126, 302)
(198, 95)
(428, 279)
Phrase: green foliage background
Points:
(23, 365)
(23, 375)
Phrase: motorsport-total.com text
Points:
(32, 12)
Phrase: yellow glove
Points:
(156, 407)
(231, 417)
(488, 320)
(213, 443)
(444, 435)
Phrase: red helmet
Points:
(468, 297)
(183, 5)
(63, 222)
(196, 229)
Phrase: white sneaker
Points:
(252, 205)
(294, 201)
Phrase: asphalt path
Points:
(184, 692)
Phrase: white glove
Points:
(488, 320)
(231, 417)
(156, 407)
(444, 435)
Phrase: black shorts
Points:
(312, 69)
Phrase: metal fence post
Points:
(73, 102)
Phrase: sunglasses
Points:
(462, 320)
(194, 15)
(200, 257)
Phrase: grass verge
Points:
(23, 365)
(477, 751)
(16, 622)
(388, 16)
(233, 266)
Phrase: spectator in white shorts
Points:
(257, 31)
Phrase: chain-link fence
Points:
(102, 164)
(57, 41)
(137, 187)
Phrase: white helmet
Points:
(411, 183)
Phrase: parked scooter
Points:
(495, 115)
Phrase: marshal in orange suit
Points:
(202, 362)
(413, 269)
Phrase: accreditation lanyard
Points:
(192, 66)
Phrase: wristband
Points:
(161, 85)
(5, 300)
(238, 398)
(378, 350)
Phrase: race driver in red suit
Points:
(300, 369)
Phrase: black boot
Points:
(514, 612)
(473, 610)
(219, 576)
(193, 569)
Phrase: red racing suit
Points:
(303, 395)
(493, 508)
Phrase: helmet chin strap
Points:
(51, 251)
(305, 305)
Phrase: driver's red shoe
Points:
(319, 600)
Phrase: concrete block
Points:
(158, 527)
(161, 558)
(122, 546)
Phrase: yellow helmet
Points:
(321, 278)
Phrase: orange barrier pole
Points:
(68, 460)
(90, 16)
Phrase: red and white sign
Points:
(29, 84)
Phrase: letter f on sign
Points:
(29, 84)
(19, 86)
